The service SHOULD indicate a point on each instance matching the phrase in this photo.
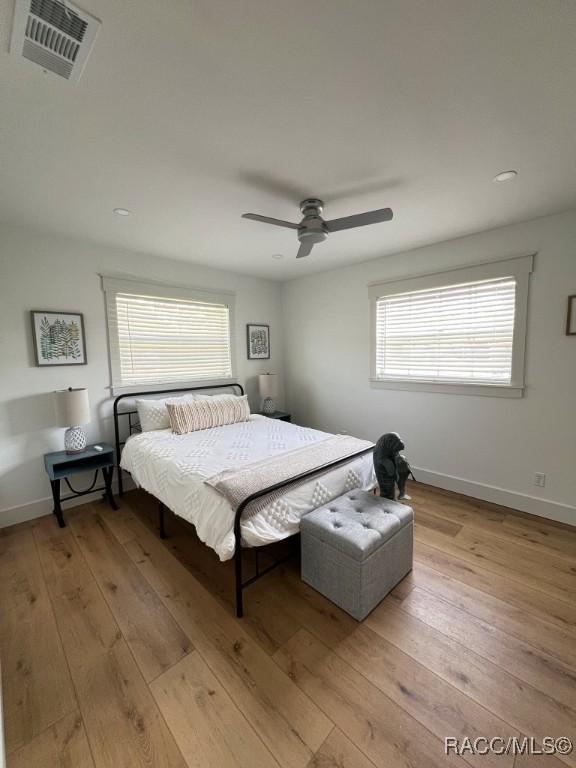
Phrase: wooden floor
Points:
(119, 650)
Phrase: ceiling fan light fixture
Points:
(504, 176)
(313, 229)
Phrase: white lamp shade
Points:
(72, 407)
(268, 385)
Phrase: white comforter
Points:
(174, 467)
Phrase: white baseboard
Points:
(553, 510)
(41, 507)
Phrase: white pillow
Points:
(153, 414)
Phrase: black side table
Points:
(280, 415)
(61, 465)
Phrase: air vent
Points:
(54, 34)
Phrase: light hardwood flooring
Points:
(120, 650)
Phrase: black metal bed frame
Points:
(240, 585)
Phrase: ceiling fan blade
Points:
(359, 220)
(268, 220)
(304, 249)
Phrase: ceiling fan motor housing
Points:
(312, 228)
(312, 206)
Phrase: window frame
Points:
(113, 286)
(519, 268)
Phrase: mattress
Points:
(174, 467)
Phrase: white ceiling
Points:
(191, 112)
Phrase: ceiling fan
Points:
(314, 229)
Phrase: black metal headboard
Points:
(129, 414)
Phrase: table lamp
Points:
(72, 411)
(268, 386)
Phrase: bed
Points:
(184, 472)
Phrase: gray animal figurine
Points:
(391, 467)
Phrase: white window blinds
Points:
(454, 333)
(158, 335)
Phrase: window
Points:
(458, 331)
(454, 333)
(163, 334)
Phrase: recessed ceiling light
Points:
(505, 176)
(277, 255)
(122, 212)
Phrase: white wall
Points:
(486, 446)
(38, 271)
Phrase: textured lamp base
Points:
(268, 406)
(75, 440)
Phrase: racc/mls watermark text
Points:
(511, 745)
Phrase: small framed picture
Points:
(571, 316)
(258, 341)
(58, 338)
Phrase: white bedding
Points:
(173, 468)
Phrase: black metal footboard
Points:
(240, 584)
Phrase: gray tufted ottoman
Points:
(356, 548)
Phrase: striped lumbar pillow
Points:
(192, 415)
(153, 415)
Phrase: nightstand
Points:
(280, 415)
(61, 465)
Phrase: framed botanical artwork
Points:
(258, 341)
(571, 316)
(58, 338)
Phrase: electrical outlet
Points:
(540, 479)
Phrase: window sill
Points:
(126, 389)
(485, 390)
